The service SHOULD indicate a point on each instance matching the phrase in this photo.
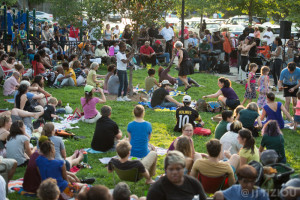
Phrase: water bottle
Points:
(68, 109)
(85, 157)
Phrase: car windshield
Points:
(208, 26)
(276, 30)
(236, 28)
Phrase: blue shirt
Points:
(290, 78)
(194, 41)
(235, 193)
(52, 169)
(29, 95)
(139, 132)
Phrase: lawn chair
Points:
(213, 184)
(131, 175)
(4, 174)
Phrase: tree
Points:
(141, 12)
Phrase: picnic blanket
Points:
(90, 150)
(17, 186)
(158, 108)
(66, 123)
(10, 100)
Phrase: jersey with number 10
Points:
(185, 115)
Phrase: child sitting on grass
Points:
(221, 129)
(150, 81)
(80, 74)
(49, 110)
(65, 78)
(92, 76)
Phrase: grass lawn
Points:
(162, 124)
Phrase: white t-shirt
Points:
(269, 40)
(2, 188)
(116, 31)
(167, 33)
(120, 65)
(229, 139)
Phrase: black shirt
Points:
(153, 32)
(218, 46)
(242, 37)
(130, 164)
(157, 49)
(158, 96)
(185, 115)
(163, 189)
(48, 110)
(104, 136)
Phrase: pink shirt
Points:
(10, 86)
(298, 110)
(89, 108)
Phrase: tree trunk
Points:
(250, 11)
(201, 20)
(134, 45)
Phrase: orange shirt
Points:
(266, 51)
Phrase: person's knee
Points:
(220, 98)
(218, 195)
(235, 157)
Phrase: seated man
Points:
(106, 132)
(147, 54)
(193, 54)
(101, 53)
(11, 84)
(194, 40)
(246, 189)
(146, 167)
(204, 49)
(161, 96)
(186, 114)
(157, 47)
(212, 166)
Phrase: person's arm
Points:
(7, 65)
(156, 83)
(64, 173)
(213, 95)
(129, 136)
(263, 114)
(261, 149)
(41, 90)
(237, 117)
(169, 98)
(23, 101)
(38, 96)
(277, 52)
(243, 161)
(259, 122)
(287, 114)
(248, 82)
(70, 174)
(180, 57)
(219, 195)
(27, 148)
(103, 98)
(63, 153)
(194, 173)
(119, 135)
(295, 87)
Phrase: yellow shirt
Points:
(89, 79)
(73, 76)
(245, 153)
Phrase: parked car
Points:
(172, 18)
(211, 26)
(237, 30)
(41, 16)
(242, 20)
(114, 17)
(276, 30)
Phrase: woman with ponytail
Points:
(88, 103)
(249, 151)
(48, 167)
(226, 94)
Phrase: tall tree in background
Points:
(141, 12)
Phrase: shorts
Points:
(232, 103)
(8, 162)
(297, 118)
(68, 166)
(286, 92)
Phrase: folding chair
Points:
(4, 174)
(5, 74)
(213, 184)
(131, 175)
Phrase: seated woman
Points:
(38, 82)
(45, 59)
(188, 131)
(273, 139)
(273, 111)
(246, 177)
(249, 116)
(249, 151)
(213, 166)
(17, 146)
(92, 76)
(226, 94)
(3, 62)
(184, 146)
(139, 133)
(39, 69)
(88, 103)
(60, 151)
(175, 185)
(113, 83)
(110, 72)
(48, 167)
(229, 140)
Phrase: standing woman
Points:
(107, 36)
(185, 65)
(208, 37)
(127, 34)
(244, 47)
(277, 56)
(46, 34)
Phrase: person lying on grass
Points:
(146, 167)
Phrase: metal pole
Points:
(34, 31)
(5, 28)
(182, 22)
(27, 23)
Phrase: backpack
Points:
(214, 106)
(201, 105)
(260, 172)
(223, 68)
(202, 131)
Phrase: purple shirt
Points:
(165, 76)
(10, 86)
(229, 93)
(89, 108)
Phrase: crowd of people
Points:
(230, 152)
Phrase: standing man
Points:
(147, 54)
(289, 81)
(168, 34)
(185, 36)
(268, 36)
(217, 41)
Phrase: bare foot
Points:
(148, 182)
(80, 155)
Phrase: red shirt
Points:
(38, 68)
(73, 32)
(146, 50)
(185, 32)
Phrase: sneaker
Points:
(175, 86)
(120, 99)
(125, 98)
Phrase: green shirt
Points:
(248, 117)
(274, 142)
(246, 153)
(204, 47)
(192, 53)
(149, 83)
(221, 129)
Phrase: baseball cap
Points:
(157, 42)
(165, 82)
(187, 98)
(88, 88)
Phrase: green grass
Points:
(162, 123)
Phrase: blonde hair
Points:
(187, 125)
(184, 146)
(94, 65)
(48, 190)
(138, 111)
(53, 101)
(253, 106)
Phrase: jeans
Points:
(65, 82)
(204, 62)
(122, 74)
(197, 60)
(168, 104)
(164, 55)
(169, 47)
(276, 70)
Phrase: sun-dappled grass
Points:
(162, 124)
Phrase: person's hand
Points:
(280, 88)
(249, 89)
(202, 123)
(291, 90)
(204, 97)
(180, 105)
(204, 155)
(227, 154)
